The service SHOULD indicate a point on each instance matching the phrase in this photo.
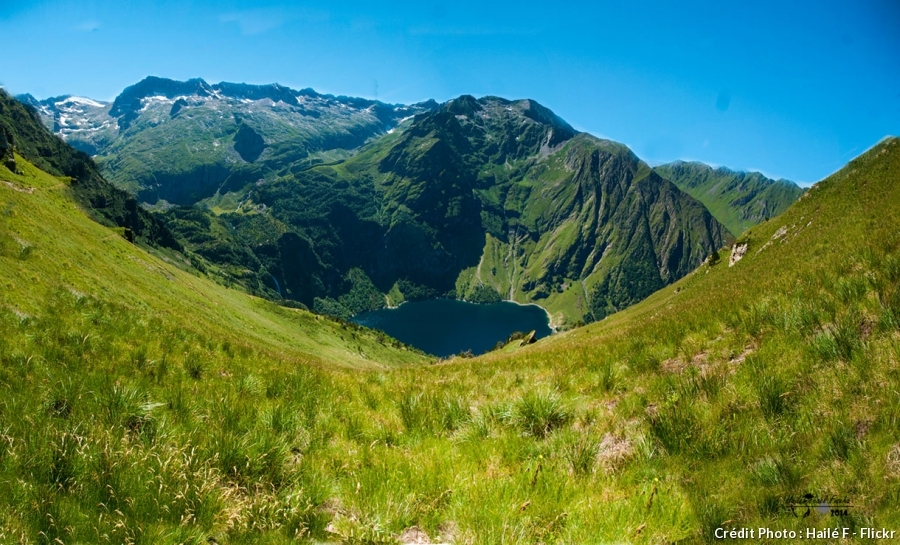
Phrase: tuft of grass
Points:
(193, 365)
(415, 413)
(774, 394)
(580, 453)
(841, 441)
(539, 413)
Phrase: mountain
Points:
(144, 404)
(23, 132)
(739, 200)
(482, 199)
(181, 142)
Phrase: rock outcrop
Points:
(737, 253)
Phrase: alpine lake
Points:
(444, 327)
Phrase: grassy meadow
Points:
(140, 404)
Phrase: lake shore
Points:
(550, 323)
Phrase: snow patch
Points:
(80, 100)
(149, 101)
(88, 129)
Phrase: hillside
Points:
(481, 200)
(143, 404)
(50, 248)
(739, 200)
(181, 142)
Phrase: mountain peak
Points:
(272, 91)
(157, 86)
(535, 111)
(464, 105)
(128, 103)
(738, 199)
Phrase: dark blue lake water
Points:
(445, 326)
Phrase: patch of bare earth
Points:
(613, 452)
(14, 187)
(739, 358)
(678, 365)
(892, 467)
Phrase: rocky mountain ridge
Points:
(179, 142)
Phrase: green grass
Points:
(141, 408)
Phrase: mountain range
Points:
(179, 142)
(344, 204)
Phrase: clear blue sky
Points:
(794, 89)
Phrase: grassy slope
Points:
(691, 410)
(67, 251)
(772, 378)
(103, 201)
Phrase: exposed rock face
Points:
(737, 253)
(179, 104)
(531, 338)
(128, 105)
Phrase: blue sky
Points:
(793, 89)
